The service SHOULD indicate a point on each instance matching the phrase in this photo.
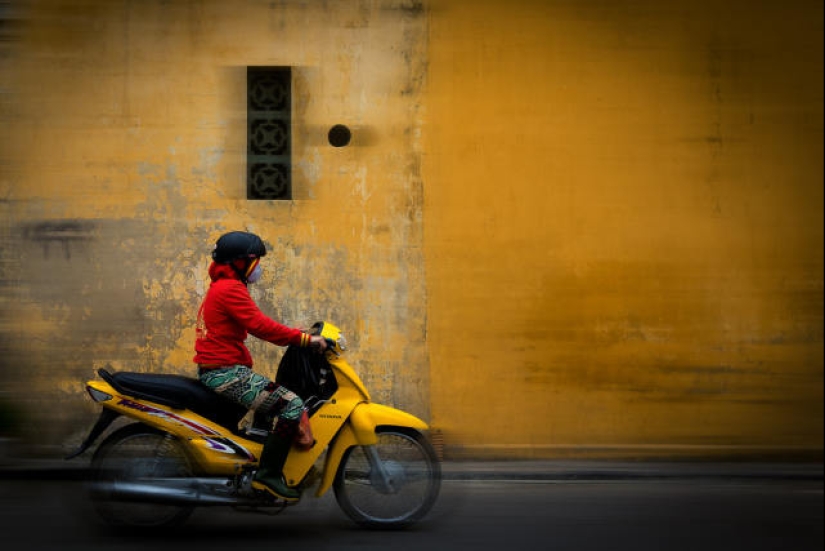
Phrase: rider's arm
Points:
(244, 310)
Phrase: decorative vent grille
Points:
(269, 138)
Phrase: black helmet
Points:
(238, 244)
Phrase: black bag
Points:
(308, 374)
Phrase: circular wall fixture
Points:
(339, 135)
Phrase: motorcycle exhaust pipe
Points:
(170, 491)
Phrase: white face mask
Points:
(255, 275)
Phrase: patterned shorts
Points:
(254, 391)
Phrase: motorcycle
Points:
(186, 446)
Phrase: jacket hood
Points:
(222, 271)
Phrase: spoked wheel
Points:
(137, 453)
(391, 484)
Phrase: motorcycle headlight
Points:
(342, 342)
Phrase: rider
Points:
(227, 314)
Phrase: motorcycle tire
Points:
(138, 452)
(412, 466)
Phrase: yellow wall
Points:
(562, 228)
(125, 126)
(623, 226)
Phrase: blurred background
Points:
(558, 229)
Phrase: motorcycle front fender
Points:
(360, 430)
(367, 416)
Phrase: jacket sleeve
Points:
(243, 309)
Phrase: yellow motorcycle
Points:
(188, 446)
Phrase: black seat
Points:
(178, 392)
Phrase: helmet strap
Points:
(251, 267)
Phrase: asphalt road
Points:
(474, 515)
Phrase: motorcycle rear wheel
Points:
(138, 452)
(411, 464)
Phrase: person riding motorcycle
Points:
(226, 316)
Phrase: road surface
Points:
(475, 515)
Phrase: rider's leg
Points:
(277, 445)
(252, 390)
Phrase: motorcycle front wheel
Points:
(137, 453)
(391, 484)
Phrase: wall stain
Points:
(62, 235)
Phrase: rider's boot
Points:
(303, 438)
(276, 448)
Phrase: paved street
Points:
(631, 514)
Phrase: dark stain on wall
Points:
(60, 236)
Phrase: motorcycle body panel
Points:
(326, 423)
(216, 450)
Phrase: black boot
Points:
(269, 476)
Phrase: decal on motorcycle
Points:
(168, 415)
(225, 445)
(219, 446)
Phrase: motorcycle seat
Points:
(177, 392)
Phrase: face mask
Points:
(255, 275)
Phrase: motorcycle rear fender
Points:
(360, 430)
(103, 421)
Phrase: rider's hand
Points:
(319, 342)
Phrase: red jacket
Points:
(228, 313)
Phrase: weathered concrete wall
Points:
(562, 227)
(123, 155)
(624, 227)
